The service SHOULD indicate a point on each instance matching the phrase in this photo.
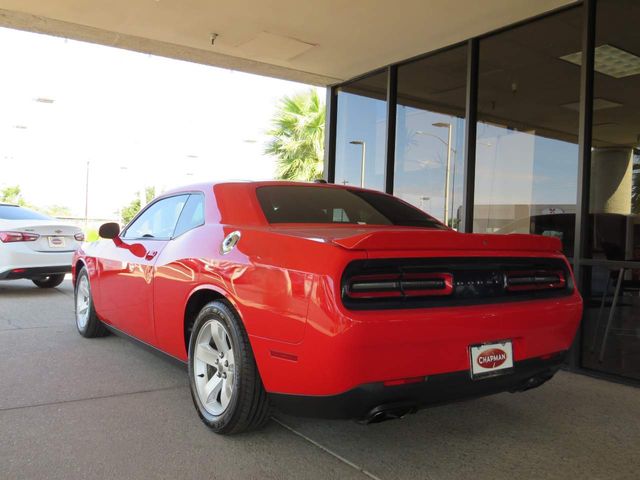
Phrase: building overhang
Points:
(321, 43)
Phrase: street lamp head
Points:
(441, 124)
(356, 142)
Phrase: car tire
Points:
(50, 281)
(87, 321)
(228, 398)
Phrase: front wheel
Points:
(225, 384)
(49, 281)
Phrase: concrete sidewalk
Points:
(107, 408)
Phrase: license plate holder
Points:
(56, 242)
(491, 359)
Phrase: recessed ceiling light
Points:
(44, 100)
(598, 104)
(610, 60)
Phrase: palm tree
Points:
(298, 137)
(635, 192)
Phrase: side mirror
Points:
(109, 230)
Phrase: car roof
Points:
(252, 185)
(236, 202)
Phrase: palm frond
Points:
(297, 131)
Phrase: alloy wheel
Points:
(83, 302)
(214, 367)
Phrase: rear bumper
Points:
(33, 272)
(372, 401)
(19, 260)
(340, 353)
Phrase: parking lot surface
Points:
(106, 408)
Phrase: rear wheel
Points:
(49, 281)
(225, 384)
(87, 321)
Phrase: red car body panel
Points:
(284, 281)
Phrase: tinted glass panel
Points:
(611, 340)
(611, 337)
(18, 213)
(192, 215)
(527, 133)
(297, 204)
(430, 133)
(159, 220)
(361, 132)
(614, 205)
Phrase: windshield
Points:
(12, 212)
(313, 204)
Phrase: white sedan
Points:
(35, 246)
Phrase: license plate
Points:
(56, 242)
(490, 359)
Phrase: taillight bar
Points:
(400, 285)
(535, 280)
(11, 237)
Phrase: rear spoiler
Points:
(411, 239)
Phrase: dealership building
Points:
(498, 116)
(531, 128)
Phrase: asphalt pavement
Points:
(108, 409)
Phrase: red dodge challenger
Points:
(327, 301)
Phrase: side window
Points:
(159, 220)
(192, 215)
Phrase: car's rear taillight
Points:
(10, 237)
(535, 280)
(79, 237)
(400, 285)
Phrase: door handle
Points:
(150, 255)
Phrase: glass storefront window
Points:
(361, 132)
(430, 134)
(526, 172)
(611, 324)
(527, 132)
(611, 342)
(614, 204)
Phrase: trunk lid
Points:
(54, 237)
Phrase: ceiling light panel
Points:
(598, 104)
(610, 60)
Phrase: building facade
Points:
(530, 129)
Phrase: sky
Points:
(139, 120)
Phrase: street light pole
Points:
(363, 144)
(448, 169)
